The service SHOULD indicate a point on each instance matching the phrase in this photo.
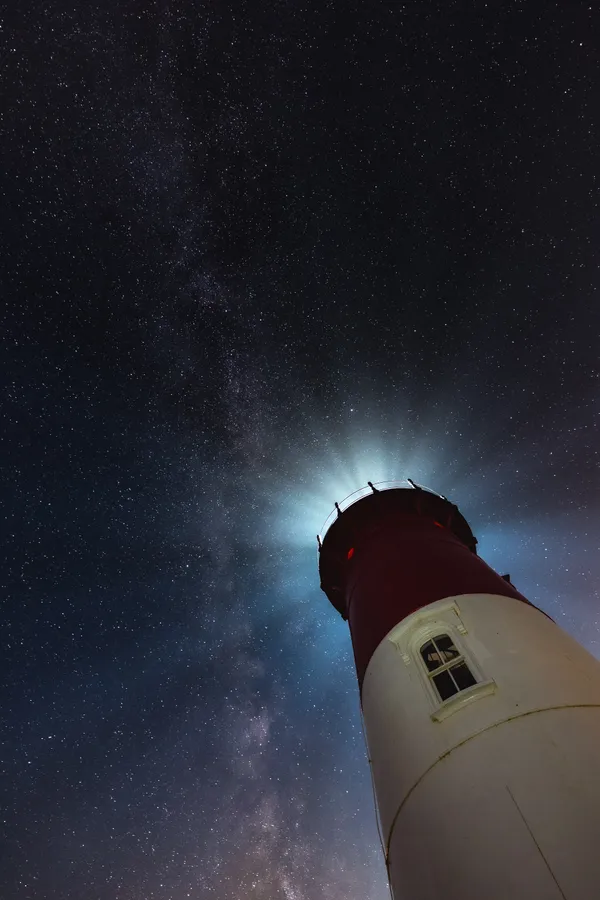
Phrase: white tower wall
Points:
(495, 792)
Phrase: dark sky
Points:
(254, 254)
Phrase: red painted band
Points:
(394, 552)
(403, 570)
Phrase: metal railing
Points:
(369, 488)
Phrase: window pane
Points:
(463, 676)
(447, 649)
(431, 656)
(445, 686)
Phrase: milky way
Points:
(255, 257)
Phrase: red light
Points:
(438, 524)
(350, 552)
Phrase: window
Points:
(446, 666)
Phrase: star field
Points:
(255, 255)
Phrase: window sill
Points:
(453, 704)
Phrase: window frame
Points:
(447, 666)
(413, 633)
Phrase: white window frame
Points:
(414, 633)
(448, 666)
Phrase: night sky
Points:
(253, 255)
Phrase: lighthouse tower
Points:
(482, 716)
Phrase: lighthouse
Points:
(482, 716)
